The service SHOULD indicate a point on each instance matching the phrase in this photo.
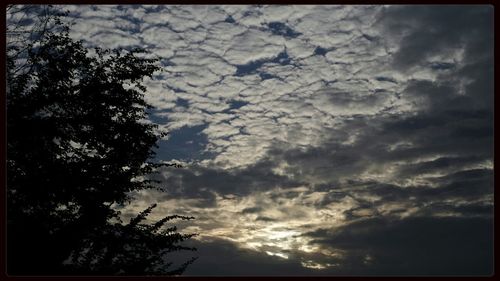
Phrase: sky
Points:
(319, 140)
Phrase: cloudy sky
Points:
(319, 140)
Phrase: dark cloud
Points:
(251, 210)
(268, 219)
(441, 164)
(442, 65)
(386, 79)
(428, 30)
(484, 210)
(414, 246)
(197, 181)
(469, 184)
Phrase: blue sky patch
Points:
(186, 143)
(279, 28)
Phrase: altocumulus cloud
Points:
(324, 139)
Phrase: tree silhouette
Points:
(77, 143)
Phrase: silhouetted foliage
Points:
(77, 143)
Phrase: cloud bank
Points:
(320, 139)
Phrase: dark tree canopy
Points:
(77, 143)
